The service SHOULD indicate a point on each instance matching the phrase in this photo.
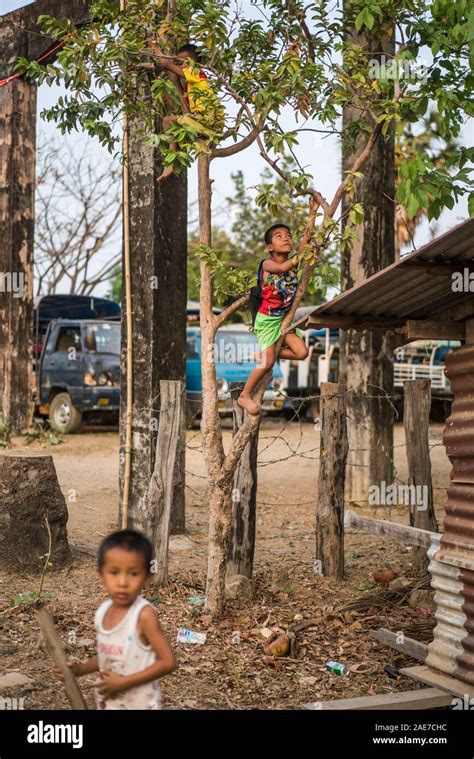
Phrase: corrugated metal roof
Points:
(407, 289)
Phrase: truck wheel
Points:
(63, 415)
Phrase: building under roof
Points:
(427, 294)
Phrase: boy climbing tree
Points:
(282, 70)
(205, 113)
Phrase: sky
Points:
(321, 155)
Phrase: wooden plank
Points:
(462, 311)
(332, 472)
(351, 322)
(423, 698)
(416, 420)
(424, 674)
(409, 646)
(427, 329)
(439, 269)
(161, 491)
(411, 535)
(56, 651)
(241, 547)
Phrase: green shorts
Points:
(268, 330)
(209, 127)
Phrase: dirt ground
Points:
(223, 673)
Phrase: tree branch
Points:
(220, 319)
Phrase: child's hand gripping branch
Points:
(205, 113)
(278, 284)
(132, 651)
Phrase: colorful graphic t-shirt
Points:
(278, 291)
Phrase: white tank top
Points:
(120, 650)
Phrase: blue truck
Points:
(234, 356)
(76, 357)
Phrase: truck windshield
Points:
(236, 347)
(103, 338)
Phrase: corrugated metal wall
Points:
(452, 556)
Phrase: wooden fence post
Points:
(241, 546)
(178, 511)
(332, 473)
(160, 491)
(416, 419)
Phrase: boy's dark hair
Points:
(129, 540)
(192, 50)
(269, 233)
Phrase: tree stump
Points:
(30, 495)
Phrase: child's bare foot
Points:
(166, 173)
(246, 402)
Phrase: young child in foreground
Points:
(132, 651)
(278, 280)
(206, 114)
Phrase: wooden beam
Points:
(430, 329)
(332, 469)
(416, 420)
(411, 535)
(353, 322)
(440, 269)
(423, 698)
(424, 674)
(461, 312)
(20, 34)
(409, 646)
(161, 502)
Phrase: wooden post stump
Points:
(30, 494)
(416, 419)
(160, 491)
(332, 472)
(241, 546)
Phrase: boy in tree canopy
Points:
(206, 114)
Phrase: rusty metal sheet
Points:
(405, 292)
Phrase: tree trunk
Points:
(241, 546)
(220, 504)
(17, 183)
(416, 419)
(220, 514)
(332, 469)
(20, 36)
(366, 364)
(158, 246)
(30, 495)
